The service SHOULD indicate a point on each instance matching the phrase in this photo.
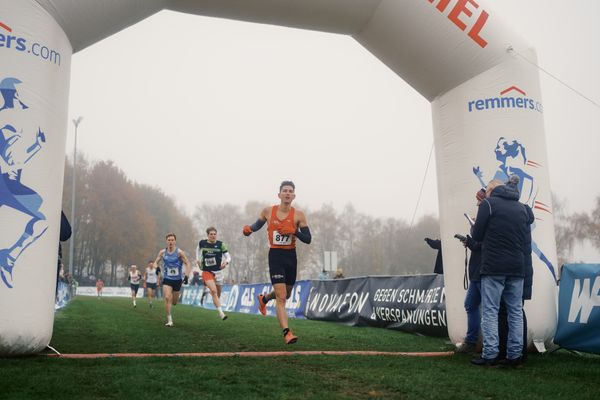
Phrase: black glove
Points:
(434, 243)
(185, 280)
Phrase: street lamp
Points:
(72, 246)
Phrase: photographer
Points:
(473, 296)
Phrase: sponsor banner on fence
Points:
(63, 295)
(242, 298)
(407, 303)
(579, 308)
(108, 291)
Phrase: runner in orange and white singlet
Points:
(284, 225)
(99, 287)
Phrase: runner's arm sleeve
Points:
(304, 234)
(258, 224)
(227, 257)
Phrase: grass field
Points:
(111, 325)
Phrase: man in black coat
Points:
(502, 225)
(436, 244)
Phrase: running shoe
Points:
(262, 307)
(223, 317)
(169, 323)
(290, 338)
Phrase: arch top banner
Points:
(434, 45)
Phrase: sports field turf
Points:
(112, 325)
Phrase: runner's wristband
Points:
(304, 235)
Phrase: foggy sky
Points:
(221, 111)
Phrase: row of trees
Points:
(572, 228)
(119, 223)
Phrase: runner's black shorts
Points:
(176, 285)
(151, 286)
(134, 288)
(283, 266)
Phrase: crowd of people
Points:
(500, 276)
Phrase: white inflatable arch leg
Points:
(485, 128)
(34, 86)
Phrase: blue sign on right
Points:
(579, 308)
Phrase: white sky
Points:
(189, 104)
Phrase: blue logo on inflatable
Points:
(8, 40)
(511, 97)
(15, 153)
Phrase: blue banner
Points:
(579, 308)
(243, 298)
(63, 295)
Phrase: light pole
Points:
(72, 246)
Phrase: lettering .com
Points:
(10, 41)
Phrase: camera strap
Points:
(466, 274)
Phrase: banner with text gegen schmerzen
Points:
(408, 303)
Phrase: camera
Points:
(460, 237)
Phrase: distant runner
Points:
(284, 225)
(99, 287)
(213, 256)
(151, 281)
(173, 260)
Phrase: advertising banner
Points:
(63, 295)
(407, 303)
(242, 298)
(579, 308)
(109, 291)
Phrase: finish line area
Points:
(256, 354)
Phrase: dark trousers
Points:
(503, 332)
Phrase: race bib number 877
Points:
(281, 240)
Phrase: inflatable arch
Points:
(487, 117)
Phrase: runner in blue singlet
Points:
(173, 260)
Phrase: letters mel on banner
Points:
(579, 308)
(408, 303)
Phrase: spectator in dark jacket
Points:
(502, 225)
(527, 292)
(64, 235)
(436, 244)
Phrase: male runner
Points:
(151, 281)
(134, 279)
(284, 225)
(99, 287)
(212, 256)
(173, 258)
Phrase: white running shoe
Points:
(169, 323)
(223, 317)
